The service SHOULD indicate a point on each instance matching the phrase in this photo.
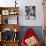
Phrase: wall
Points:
(39, 13)
(22, 21)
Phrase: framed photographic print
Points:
(30, 12)
(9, 34)
(5, 12)
(13, 12)
(6, 34)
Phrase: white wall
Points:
(39, 13)
(22, 3)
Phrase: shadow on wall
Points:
(37, 29)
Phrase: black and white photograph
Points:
(30, 12)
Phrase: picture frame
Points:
(30, 12)
(6, 34)
(13, 12)
(9, 34)
(5, 12)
